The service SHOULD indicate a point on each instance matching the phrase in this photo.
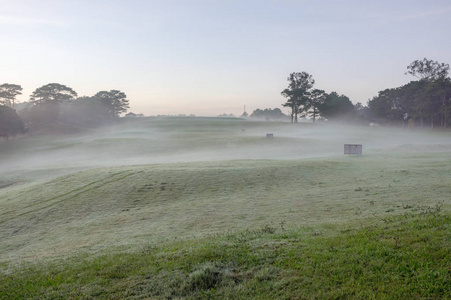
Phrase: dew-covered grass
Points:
(399, 257)
(75, 207)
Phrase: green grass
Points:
(399, 257)
(134, 205)
(210, 208)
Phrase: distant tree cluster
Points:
(224, 115)
(268, 114)
(57, 103)
(305, 101)
(425, 101)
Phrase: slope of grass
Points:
(130, 206)
(210, 208)
(399, 257)
(99, 208)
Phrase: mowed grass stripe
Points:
(68, 195)
(158, 203)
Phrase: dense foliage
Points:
(336, 106)
(52, 93)
(300, 84)
(268, 114)
(426, 101)
(55, 103)
(308, 102)
(10, 123)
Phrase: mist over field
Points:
(185, 150)
(169, 140)
(153, 180)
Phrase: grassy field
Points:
(214, 200)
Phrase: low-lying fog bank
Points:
(151, 141)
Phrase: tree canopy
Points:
(114, 101)
(315, 101)
(427, 69)
(8, 93)
(300, 83)
(269, 114)
(53, 93)
(54, 104)
(336, 106)
(427, 100)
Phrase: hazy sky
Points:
(212, 57)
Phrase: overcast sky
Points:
(212, 57)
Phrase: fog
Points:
(26, 160)
(178, 189)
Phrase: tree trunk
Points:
(296, 114)
(443, 112)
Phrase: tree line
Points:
(417, 103)
(57, 103)
(424, 101)
(305, 101)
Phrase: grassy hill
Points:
(198, 194)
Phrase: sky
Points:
(212, 57)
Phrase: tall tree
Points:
(46, 102)
(114, 101)
(8, 93)
(300, 83)
(436, 94)
(439, 96)
(417, 97)
(52, 93)
(315, 101)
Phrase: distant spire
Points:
(244, 113)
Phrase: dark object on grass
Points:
(353, 149)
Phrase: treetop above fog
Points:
(428, 69)
(8, 93)
(52, 92)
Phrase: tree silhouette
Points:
(8, 93)
(114, 101)
(52, 92)
(315, 99)
(299, 85)
(427, 69)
